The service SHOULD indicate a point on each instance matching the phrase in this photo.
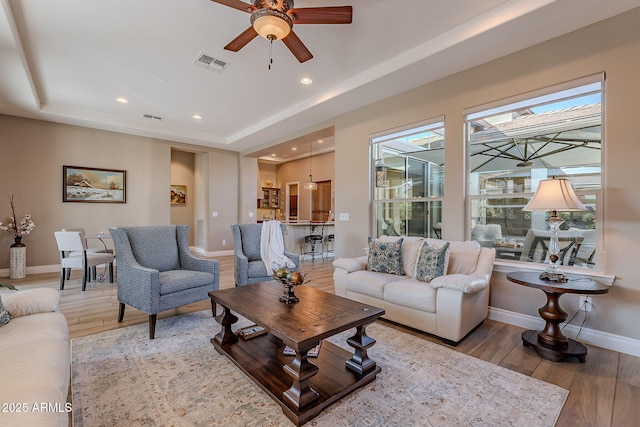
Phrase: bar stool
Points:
(313, 242)
(330, 247)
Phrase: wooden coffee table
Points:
(303, 387)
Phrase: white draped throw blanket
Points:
(272, 247)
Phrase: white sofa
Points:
(450, 306)
(36, 360)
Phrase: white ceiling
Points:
(67, 60)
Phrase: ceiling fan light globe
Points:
(271, 24)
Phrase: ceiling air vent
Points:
(210, 63)
(152, 118)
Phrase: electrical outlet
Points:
(585, 302)
(224, 242)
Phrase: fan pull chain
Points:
(270, 51)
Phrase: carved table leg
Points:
(550, 343)
(360, 361)
(552, 336)
(301, 370)
(226, 335)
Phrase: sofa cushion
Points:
(4, 314)
(369, 283)
(411, 293)
(410, 247)
(257, 269)
(36, 348)
(31, 301)
(385, 257)
(431, 262)
(463, 257)
(180, 280)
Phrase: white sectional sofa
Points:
(449, 306)
(36, 360)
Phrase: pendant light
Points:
(310, 185)
(381, 173)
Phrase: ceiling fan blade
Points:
(237, 4)
(241, 41)
(296, 47)
(322, 15)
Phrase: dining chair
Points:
(98, 249)
(74, 255)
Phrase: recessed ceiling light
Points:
(122, 100)
(306, 81)
(197, 117)
(294, 149)
(320, 141)
(273, 155)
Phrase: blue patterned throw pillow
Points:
(4, 314)
(385, 257)
(431, 262)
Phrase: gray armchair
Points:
(248, 267)
(157, 272)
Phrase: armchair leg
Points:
(120, 312)
(152, 325)
(110, 272)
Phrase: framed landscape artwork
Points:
(179, 195)
(93, 185)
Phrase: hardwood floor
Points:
(604, 391)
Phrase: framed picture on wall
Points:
(179, 195)
(93, 185)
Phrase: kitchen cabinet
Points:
(270, 198)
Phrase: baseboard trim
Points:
(602, 339)
(5, 272)
(201, 251)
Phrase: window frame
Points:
(531, 99)
(376, 141)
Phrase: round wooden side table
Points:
(550, 343)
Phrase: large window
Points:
(408, 181)
(512, 147)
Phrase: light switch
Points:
(343, 216)
(214, 214)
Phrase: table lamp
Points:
(555, 194)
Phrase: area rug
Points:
(121, 378)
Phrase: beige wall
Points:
(322, 168)
(33, 153)
(611, 47)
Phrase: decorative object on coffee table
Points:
(289, 279)
(550, 343)
(18, 250)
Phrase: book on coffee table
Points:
(252, 331)
(288, 351)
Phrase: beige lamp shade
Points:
(554, 194)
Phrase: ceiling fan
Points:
(274, 19)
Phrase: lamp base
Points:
(556, 277)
